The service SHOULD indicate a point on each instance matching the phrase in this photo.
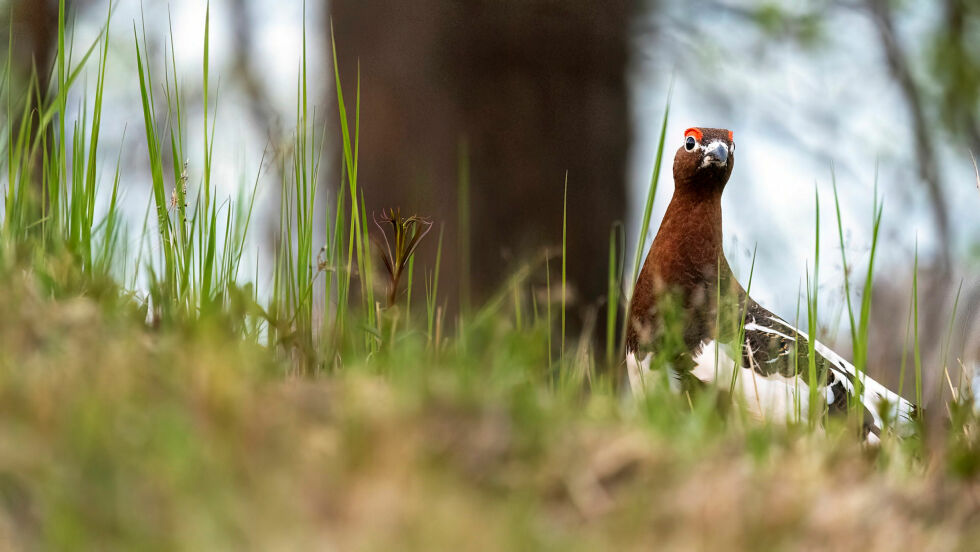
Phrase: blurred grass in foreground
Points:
(162, 404)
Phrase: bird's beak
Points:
(716, 154)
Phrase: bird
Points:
(689, 316)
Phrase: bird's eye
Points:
(690, 143)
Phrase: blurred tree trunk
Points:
(34, 25)
(533, 88)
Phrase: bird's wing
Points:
(772, 375)
(784, 349)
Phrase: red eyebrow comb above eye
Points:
(695, 133)
(731, 136)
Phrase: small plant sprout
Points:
(407, 234)
(179, 194)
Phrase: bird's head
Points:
(705, 159)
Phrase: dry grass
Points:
(177, 420)
(113, 436)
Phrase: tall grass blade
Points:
(916, 351)
(617, 259)
(812, 328)
(651, 191)
(564, 265)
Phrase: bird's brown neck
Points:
(688, 246)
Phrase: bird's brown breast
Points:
(680, 271)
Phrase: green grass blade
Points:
(652, 190)
(617, 259)
(564, 265)
(812, 327)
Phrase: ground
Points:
(118, 435)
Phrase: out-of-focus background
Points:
(196, 378)
(472, 113)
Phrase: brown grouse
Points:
(689, 311)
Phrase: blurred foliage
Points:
(954, 67)
(807, 29)
(121, 432)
